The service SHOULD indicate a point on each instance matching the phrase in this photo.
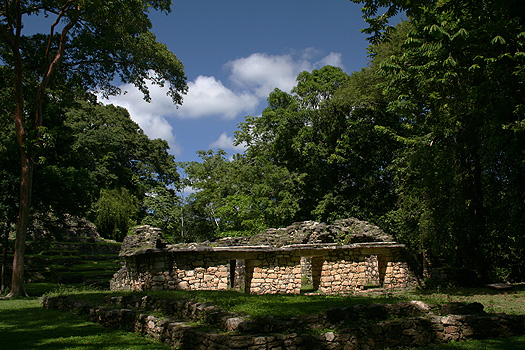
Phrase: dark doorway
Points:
(233, 266)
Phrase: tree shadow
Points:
(26, 327)
(466, 292)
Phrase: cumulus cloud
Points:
(226, 143)
(333, 59)
(251, 79)
(207, 96)
(262, 73)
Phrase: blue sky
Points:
(235, 54)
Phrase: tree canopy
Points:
(426, 141)
(458, 84)
(88, 45)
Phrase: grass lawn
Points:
(26, 325)
(510, 302)
(514, 343)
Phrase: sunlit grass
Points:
(510, 302)
(25, 324)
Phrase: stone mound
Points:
(145, 237)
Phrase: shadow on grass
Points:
(24, 324)
(467, 292)
(278, 305)
(513, 343)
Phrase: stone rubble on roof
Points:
(341, 232)
(346, 231)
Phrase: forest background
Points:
(427, 141)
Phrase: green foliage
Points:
(9, 170)
(104, 41)
(326, 133)
(458, 85)
(116, 151)
(115, 212)
(94, 147)
(237, 197)
(164, 210)
(89, 45)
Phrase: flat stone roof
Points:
(305, 238)
(300, 249)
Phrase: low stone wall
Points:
(358, 327)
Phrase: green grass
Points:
(25, 319)
(511, 302)
(247, 304)
(513, 343)
(24, 325)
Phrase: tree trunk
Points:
(479, 219)
(26, 184)
(5, 249)
(26, 174)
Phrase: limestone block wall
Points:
(359, 327)
(161, 271)
(395, 272)
(200, 271)
(343, 271)
(273, 273)
(355, 269)
(267, 272)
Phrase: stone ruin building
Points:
(347, 256)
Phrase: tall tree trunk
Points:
(26, 175)
(5, 249)
(26, 184)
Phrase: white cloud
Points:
(262, 73)
(207, 96)
(333, 59)
(187, 191)
(226, 143)
(252, 79)
(151, 117)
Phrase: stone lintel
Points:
(243, 252)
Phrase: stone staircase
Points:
(85, 262)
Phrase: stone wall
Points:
(356, 269)
(338, 271)
(263, 274)
(185, 271)
(275, 273)
(346, 271)
(356, 327)
(328, 267)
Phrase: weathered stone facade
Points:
(328, 266)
